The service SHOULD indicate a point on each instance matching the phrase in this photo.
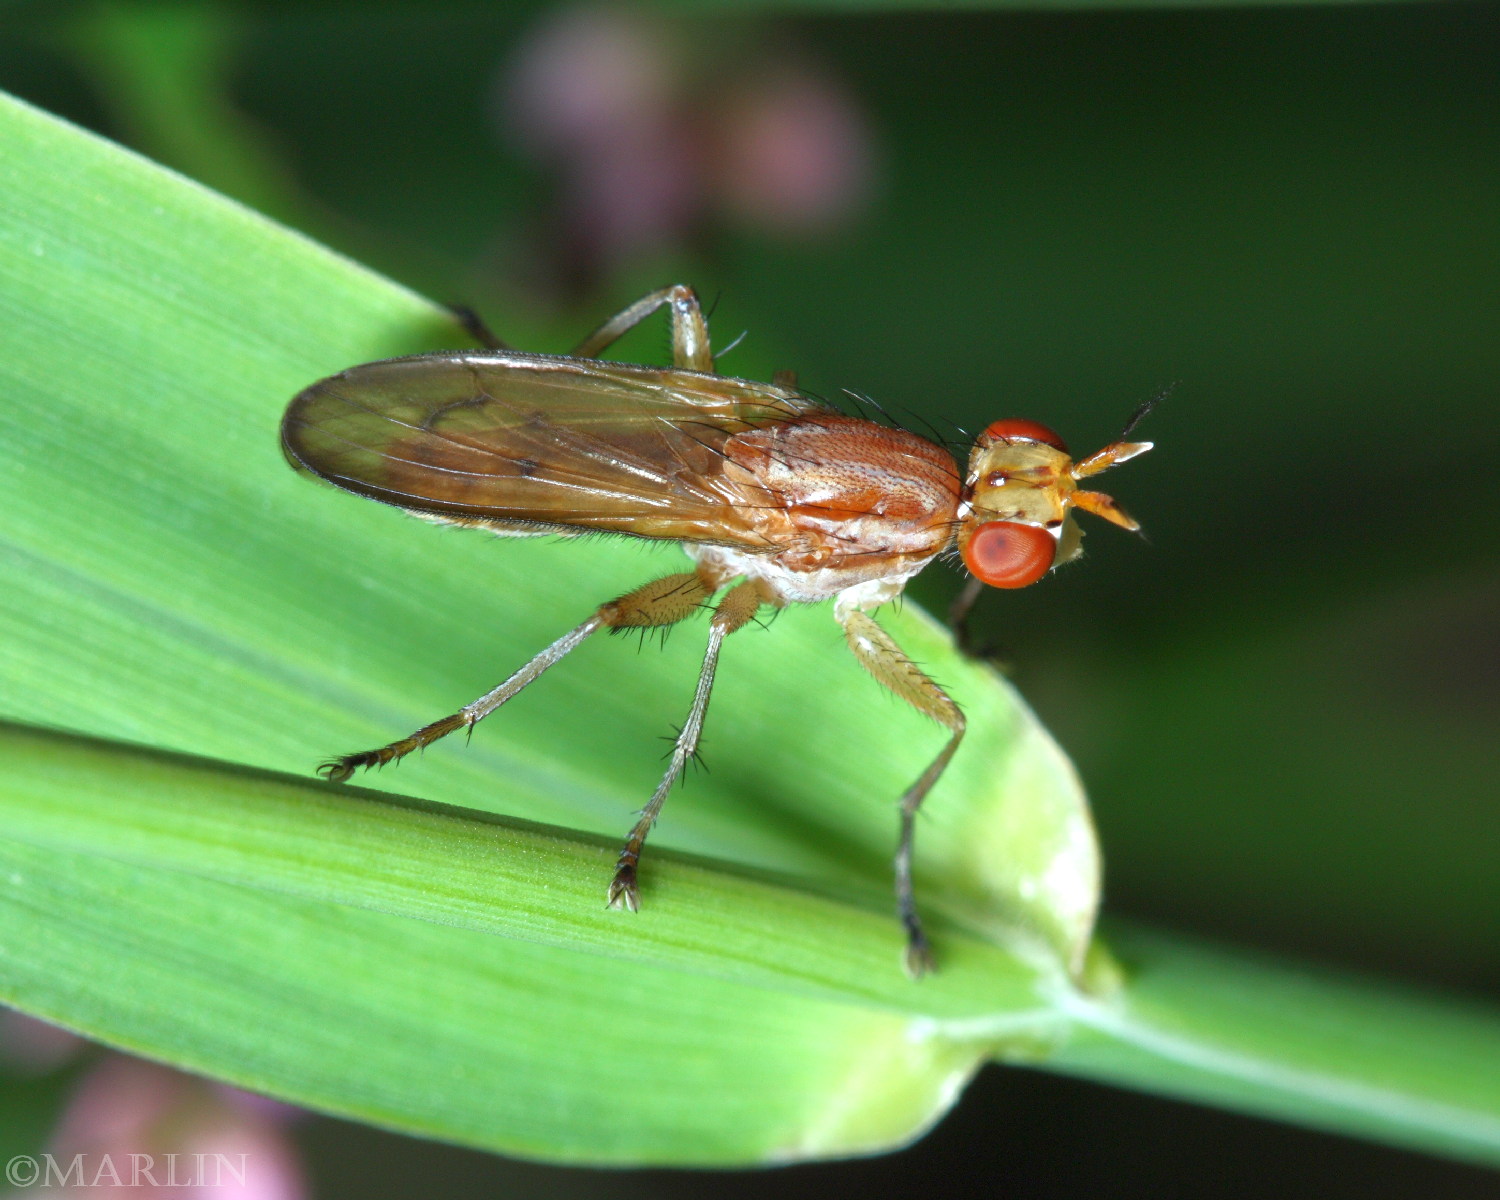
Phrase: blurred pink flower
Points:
(653, 134)
(137, 1130)
(586, 76)
(795, 154)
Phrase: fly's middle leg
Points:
(663, 601)
(881, 657)
(735, 610)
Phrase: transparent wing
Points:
(523, 443)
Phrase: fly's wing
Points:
(523, 444)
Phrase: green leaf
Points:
(173, 586)
(474, 871)
(556, 1038)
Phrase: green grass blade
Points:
(472, 1038)
(479, 872)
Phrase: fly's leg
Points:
(475, 327)
(958, 615)
(958, 621)
(661, 602)
(690, 347)
(885, 660)
(734, 611)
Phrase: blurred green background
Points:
(1284, 702)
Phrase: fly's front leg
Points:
(885, 660)
(734, 611)
(690, 347)
(661, 602)
(958, 615)
(958, 621)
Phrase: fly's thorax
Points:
(829, 466)
(841, 494)
(831, 503)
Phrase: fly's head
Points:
(1016, 521)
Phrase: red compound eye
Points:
(1020, 427)
(1008, 554)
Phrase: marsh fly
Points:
(776, 499)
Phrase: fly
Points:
(773, 497)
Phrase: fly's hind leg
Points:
(661, 602)
(734, 611)
(690, 346)
(882, 658)
(475, 327)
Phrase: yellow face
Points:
(1016, 523)
(1021, 481)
